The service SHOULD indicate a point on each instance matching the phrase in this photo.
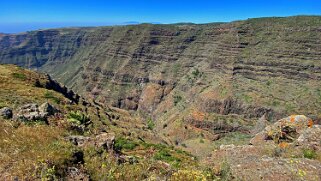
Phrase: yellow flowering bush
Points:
(188, 175)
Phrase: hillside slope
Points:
(49, 133)
(193, 81)
(47, 136)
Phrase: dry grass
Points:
(24, 148)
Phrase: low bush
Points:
(150, 124)
(50, 95)
(77, 118)
(124, 144)
(177, 99)
(310, 154)
(165, 155)
(20, 76)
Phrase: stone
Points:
(48, 109)
(287, 129)
(74, 173)
(310, 137)
(78, 140)
(105, 140)
(227, 147)
(6, 113)
(31, 112)
(258, 139)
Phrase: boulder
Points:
(48, 109)
(285, 130)
(31, 112)
(74, 173)
(6, 113)
(78, 140)
(310, 137)
(105, 140)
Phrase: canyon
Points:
(187, 82)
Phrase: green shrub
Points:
(226, 171)
(20, 76)
(50, 95)
(177, 99)
(150, 124)
(124, 144)
(77, 117)
(196, 73)
(165, 155)
(310, 154)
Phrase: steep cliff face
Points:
(267, 66)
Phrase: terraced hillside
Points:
(192, 81)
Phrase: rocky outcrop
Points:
(6, 113)
(78, 140)
(285, 130)
(32, 112)
(310, 138)
(234, 106)
(104, 140)
(54, 85)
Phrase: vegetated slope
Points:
(195, 81)
(75, 139)
(71, 138)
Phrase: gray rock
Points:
(31, 112)
(310, 137)
(48, 109)
(74, 173)
(6, 113)
(105, 140)
(78, 140)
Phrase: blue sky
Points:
(25, 15)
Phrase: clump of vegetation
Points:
(309, 153)
(176, 68)
(50, 95)
(28, 140)
(19, 76)
(269, 82)
(165, 155)
(196, 73)
(150, 124)
(177, 99)
(247, 98)
(225, 171)
(124, 144)
(78, 118)
(188, 175)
